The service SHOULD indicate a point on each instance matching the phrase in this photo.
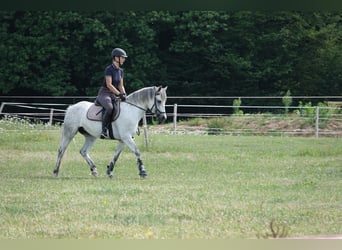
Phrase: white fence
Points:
(317, 117)
(42, 111)
(316, 120)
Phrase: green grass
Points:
(212, 187)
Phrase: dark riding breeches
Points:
(105, 98)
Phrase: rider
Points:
(111, 87)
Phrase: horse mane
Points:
(142, 95)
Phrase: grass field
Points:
(213, 187)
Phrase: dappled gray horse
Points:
(151, 99)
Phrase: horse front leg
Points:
(131, 144)
(110, 167)
(142, 170)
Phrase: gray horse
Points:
(131, 112)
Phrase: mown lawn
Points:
(213, 187)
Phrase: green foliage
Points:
(216, 126)
(194, 52)
(236, 107)
(309, 112)
(287, 101)
(325, 113)
(194, 122)
(15, 123)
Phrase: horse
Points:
(132, 110)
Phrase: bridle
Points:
(157, 110)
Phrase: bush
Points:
(287, 101)
(236, 107)
(216, 126)
(308, 111)
(16, 123)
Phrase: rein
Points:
(136, 106)
(149, 109)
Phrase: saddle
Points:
(96, 110)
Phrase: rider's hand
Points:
(123, 97)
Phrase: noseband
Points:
(157, 110)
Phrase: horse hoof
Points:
(143, 174)
(94, 172)
(55, 172)
(110, 170)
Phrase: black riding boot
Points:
(106, 120)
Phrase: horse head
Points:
(158, 107)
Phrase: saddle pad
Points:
(94, 113)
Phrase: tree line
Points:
(229, 53)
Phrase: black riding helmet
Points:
(119, 52)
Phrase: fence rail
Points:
(36, 108)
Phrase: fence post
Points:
(174, 117)
(51, 116)
(2, 107)
(317, 122)
(145, 130)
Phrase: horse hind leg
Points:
(67, 136)
(89, 142)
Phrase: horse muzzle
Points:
(161, 117)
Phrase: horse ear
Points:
(159, 88)
(165, 88)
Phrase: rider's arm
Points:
(110, 86)
(122, 87)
